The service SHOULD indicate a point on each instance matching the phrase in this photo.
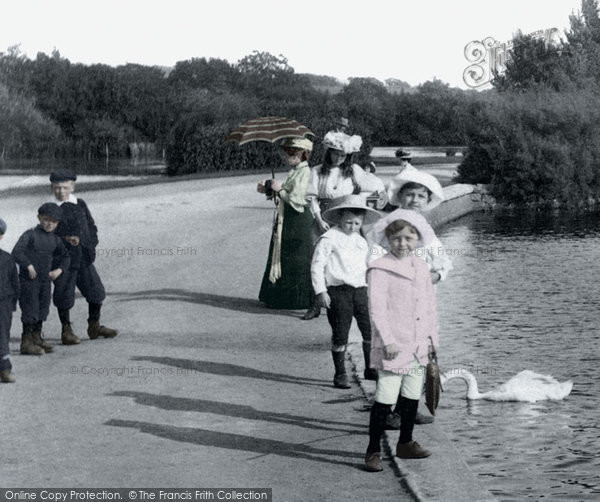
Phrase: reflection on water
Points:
(524, 295)
(141, 166)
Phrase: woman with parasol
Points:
(286, 281)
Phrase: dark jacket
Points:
(9, 278)
(44, 250)
(77, 221)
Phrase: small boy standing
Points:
(338, 273)
(79, 232)
(9, 294)
(42, 258)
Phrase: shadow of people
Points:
(238, 442)
(247, 305)
(236, 410)
(229, 370)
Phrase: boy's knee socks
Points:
(379, 414)
(94, 311)
(408, 412)
(64, 316)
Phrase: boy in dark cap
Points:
(79, 232)
(42, 258)
(9, 293)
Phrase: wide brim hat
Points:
(300, 143)
(377, 233)
(338, 140)
(334, 212)
(415, 176)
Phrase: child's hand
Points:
(324, 299)
(55, 273)
(32, 272)
(72, 239)
(323, 225)
(435, 277)
(390, 351)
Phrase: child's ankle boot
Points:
(39, 340)
(340, 379)
(28, 346)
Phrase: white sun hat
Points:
(415, 176)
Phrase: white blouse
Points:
(331, 186)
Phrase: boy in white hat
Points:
(338, 273)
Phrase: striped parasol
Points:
(268, 129)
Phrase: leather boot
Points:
(369, 373)
(95, 329)
(39, 340)
(28, 346)
(6, 376)
(67, 336)
(412, 449)
(340, 379)
(311, 313)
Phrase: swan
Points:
(524, 386)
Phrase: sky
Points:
(411, 40)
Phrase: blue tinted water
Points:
(524, 294)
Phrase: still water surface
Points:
(524, 294)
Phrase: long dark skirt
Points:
(292, 289)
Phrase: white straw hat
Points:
(416, 176)
(355, 201)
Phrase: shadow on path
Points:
(230, 370)
(229, 441)
(247, 305)
(235, 410)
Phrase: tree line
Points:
(52, 108)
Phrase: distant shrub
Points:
(536, 147)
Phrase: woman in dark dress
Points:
(286, 281)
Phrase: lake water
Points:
(524, 294)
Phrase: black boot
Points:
(340, 379)
(95, 329)
(28, 346)
(379, 414)
(311, 313)
(369, 373)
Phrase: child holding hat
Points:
(421, 192)
(9, 294)
(338, 272)
(404, 319)
(42, 258)
(80, 235)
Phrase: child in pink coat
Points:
(404, 326)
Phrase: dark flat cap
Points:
(51, 209)
(62, 174)
(2, 226)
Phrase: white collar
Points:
(72, 199)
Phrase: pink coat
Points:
(402, 309)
